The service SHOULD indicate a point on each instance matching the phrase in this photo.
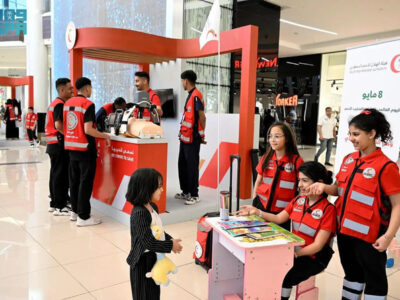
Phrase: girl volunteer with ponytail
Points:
(368, 207)
(313, 219)
(276, 183)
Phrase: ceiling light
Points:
(308, 27)
(292, 63)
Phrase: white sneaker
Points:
(89, 222)
(182, 196)
(51, 209)
(31, 146)
(61, 212)
(192, 200)
(73, 216)
(37, 143)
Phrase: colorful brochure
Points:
(248, 230)
(241, 224)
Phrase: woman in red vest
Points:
(368, 207)
(276, 183)
(313, 219)
(30, 125)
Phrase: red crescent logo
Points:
(69, 38)
(212, 33)
(393, 66)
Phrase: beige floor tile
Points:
(38, 218)
(80, 249)
(330, 286)
(101, 272)
(172, 291)
(121, 239)
(192, 278)
(182, 230)
(18, 258)
(186, 256)
(52, 234)
(7, 226)
(394, 285)
(86, 296)
(49, 284)
(116, 292)
(108, 225)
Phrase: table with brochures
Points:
(247, 268)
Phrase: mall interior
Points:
(276, 60)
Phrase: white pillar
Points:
(36, 54)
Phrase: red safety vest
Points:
(50, 129)
(74, 130)
(30, 121)
(361, 206)
(279, 183)
(11, 112)
(146, 113)
(109, 108)
(188, 119)
(306, 222)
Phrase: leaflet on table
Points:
(243, 231)
(264, 235)
(241, 224)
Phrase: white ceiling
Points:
(355, 21)
(12, 57)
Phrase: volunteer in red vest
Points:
(313, 219)
(59, 157)
(368, 207)
(30, 126)
(191, 135)
(106, 110)
(142, 81)
(276, 183)
(80, 134)
(11, 116)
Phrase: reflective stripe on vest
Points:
(77, 145)
(267, 180)
(307, 230)
(187, 124)
(295, 226)
(74, 108)
(281, 204)
(51, 139)
(373, 297)
(340, 191)
(286, 292)
(184, 138)
(368, 200)
(364, 229)
(286, 184)
(146, 118)
(51, 108)
(357, 286)
(351, 296)
(201, 132)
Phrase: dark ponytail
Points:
(316, 172)
(372, 119)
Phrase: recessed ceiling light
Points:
(308, 27)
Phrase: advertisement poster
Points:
(371, 80)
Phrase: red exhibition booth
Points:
(13, 82)
(115, 164)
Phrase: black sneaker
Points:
(328, 164)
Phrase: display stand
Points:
(242, 270)
(115, 165)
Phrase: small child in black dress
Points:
(145, 187)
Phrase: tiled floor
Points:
(47, 257)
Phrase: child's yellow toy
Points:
(163, 266)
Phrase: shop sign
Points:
(261, 63)
(12, 20)
(289, 101)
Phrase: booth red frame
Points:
(18, 81)
(128, 46)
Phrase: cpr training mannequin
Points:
(163, 266)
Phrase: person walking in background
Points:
(327, 134)
(30, 126)
(191, 135)
(11, 116)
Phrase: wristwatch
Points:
(260, 213)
